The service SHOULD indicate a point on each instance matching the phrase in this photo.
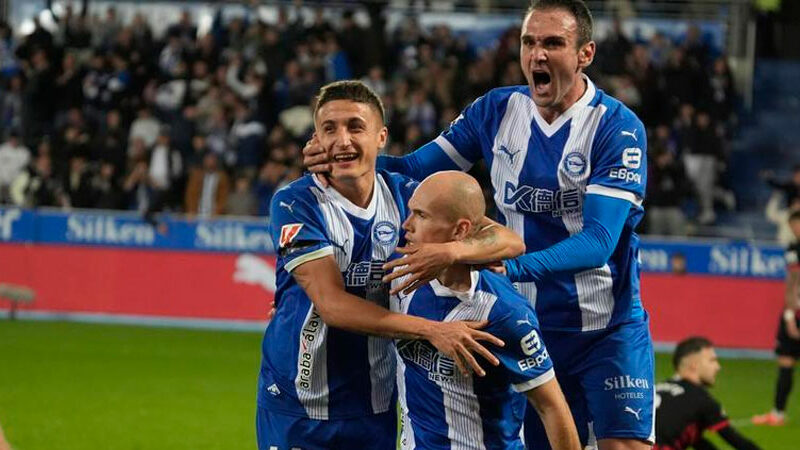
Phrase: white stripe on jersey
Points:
(593, 286)
(406, 429)
(621, 194)
(381, 354)
(451, 151)
(514, 133)
(311, 382)
(339, 228)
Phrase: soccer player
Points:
(788, 339)
(441, 407)
(685, 409)
(568, 166)
(321, 385)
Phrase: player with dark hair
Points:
(684, 407)
(788, 339)
(441, 407)
(568, 166)
(321, 385)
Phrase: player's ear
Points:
(586, 54)
(383, 136)
(463, 229)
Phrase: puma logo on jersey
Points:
(288, 206)
(628, 409)
(630, 133)
(509, 153)
(526, 320)
(288, 233)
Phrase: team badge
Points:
(385, 233)
(575, 164)
(289, 232)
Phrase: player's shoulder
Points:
(396, 180)
(300, 187)
(509, 302)
(497, 97)
(302, 193)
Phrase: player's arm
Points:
(603, 217)
(424, 262)
(736, 440)
(790, 298)
(322, 282)
(704, 444)
(550, 404)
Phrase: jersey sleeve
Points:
(462, 141)
(524, 357)
(619, 161)
(298, 230)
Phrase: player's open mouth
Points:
(541, 81)
(345, 157)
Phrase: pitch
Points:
(87, 386)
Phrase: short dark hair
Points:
(688, 347)
(578, 9)
(349, 90)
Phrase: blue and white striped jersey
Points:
(541, 172)
(309, 369)
(442, 408)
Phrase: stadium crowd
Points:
(104, 114)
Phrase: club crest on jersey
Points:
(575, 164)
(385, 233)
(288, 233)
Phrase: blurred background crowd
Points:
(101, 112)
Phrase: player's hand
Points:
(459, 340)
(423, 261)
(315, 159)
(497, 267)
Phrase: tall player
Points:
(568, 167)
(788, 339)
(321, 385)
(442, 408)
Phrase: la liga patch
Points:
(289, 232)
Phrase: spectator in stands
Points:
(38, 105)
(11, 104)
(272, 174)
(77, 184)
(14, 158)
(703, 158)
(137, 187)
(789, 188)
(667, 188)
(207, 189)
(242, 201)
(146, 127)
(165, 171)
(778, 213)
(37, 186)
(106, 191)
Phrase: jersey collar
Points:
(465, 296)
(353, 209)
(550, 129)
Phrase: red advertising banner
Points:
(141, 282)
(734, 312)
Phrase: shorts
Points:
(284, 432)
(607, 379)
(786, 346)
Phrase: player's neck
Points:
(551, 113)
(690, 377)
(357, 190)
(456, 278)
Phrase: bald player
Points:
(442, 407)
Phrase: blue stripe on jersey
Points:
(448, 409)
(541, 172)
(309, 369)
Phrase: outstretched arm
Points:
(603, 220)
(549, 402)
(322, 281)
(493, 242)
(736, 440)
